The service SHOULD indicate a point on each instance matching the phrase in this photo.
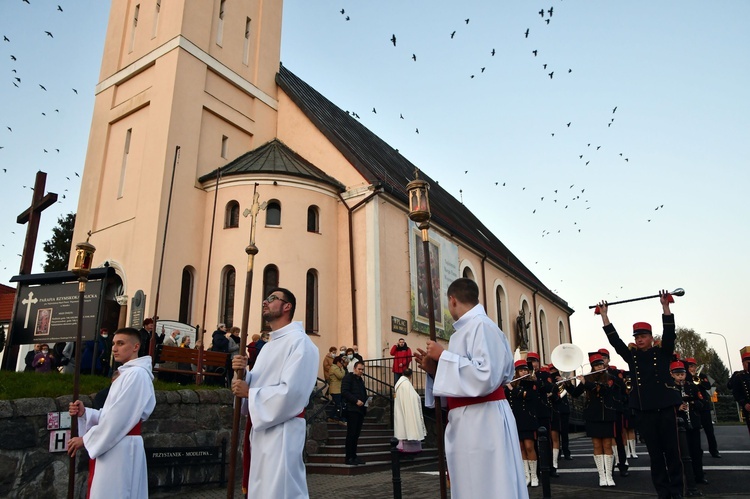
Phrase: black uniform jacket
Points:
(600, 405)
(739, 383)
(524, 400)
(652, 387)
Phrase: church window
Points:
(499, 304)
(157, 10)
(468, 274)
(123, 168)
(313, 219)
(220, 31)
(561, 331)
(273, 214)
(135, 25)
(270, 281)
(246, 49)
(224, 146)
(311, 302)
(186, 295)
(542, 333)
(232, 217)
(226, 311)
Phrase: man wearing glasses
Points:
(275, 394)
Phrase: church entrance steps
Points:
(373, 447)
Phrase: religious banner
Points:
(444, 269)
(48, 313)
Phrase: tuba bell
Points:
(567, 357)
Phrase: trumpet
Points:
(574, 377)
(697, 376)
(521, 377)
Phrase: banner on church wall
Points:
(48, 313)
(444, 269)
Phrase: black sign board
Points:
(48, 313)
(181, 454)
(399, 325)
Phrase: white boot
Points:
(609, 464)
(632, 449)
(532, 470)
(627, 449)
(599, 460)
(614, 453)
(555, 455)
(527, 471)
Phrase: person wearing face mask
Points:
(104, 351)
(342, 351)
(357, 356)
(30, 357)
(43, 362)
(328, 362)
(351, 359)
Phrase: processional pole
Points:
(251, 251)
(419, 212)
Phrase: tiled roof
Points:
(7, 295)
(274, 157)
(380, 163)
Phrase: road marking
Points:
(631, 469)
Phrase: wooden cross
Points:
(32, 215)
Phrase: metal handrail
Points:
(317, 394)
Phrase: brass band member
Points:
(561, 408)
(548, 392)
(523, 395)
(652, 397)
(739, 383)
(701, 381)
(620, 401)
(599, 414)
(689, 412)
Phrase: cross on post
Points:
(32, 215)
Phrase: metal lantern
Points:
(419, 202)
(84, 258)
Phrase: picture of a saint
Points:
(43, 319)
(422, 303)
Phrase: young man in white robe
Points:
(112, 435)
(408, 422)
(481, 439)
(275, 394)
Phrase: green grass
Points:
(15, 385)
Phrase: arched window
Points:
(542, 333)
(499, 304)
(226, 311)
(273, 213)
(311, 302)
(232, 215)
(468, 274)
(270, 281)
(313, 219)
(531, 342)
(186, 295)
(561, 331)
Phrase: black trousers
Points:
(564, 430)
(659, 429)
(353, 429)
(696, 453)
(708, 429)
(621, 455)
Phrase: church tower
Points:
(198, 75)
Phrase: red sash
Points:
(455, 402)
(135, 431)
(246, 453)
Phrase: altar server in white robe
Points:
(408, 422)
(275, 394)
(112, 435)
(481, 440)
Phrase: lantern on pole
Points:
(419, 213)
(81, 268)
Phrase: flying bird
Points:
(550, 11)
(482, 70)
(550, 74)
(534, 52)
(526, 33)
(49, 34)
(348, 18)
(453, 34)
(417, 130)
(467, 21)
(393, 39)
(373, 110)
(59, 8)
(9, 128)
(414, 57)
(401, 116)
(13, 58)
(342, 12)
(569, 124)
(5, 38)
(76, 174)
(42, 87)
(76, 91)
(492, 53)
(570, 70)
(541, 12)
(615, 109)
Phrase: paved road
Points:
(578, 478)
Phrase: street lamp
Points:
(81, 268)
(419, 213)
(729, 359)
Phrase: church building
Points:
(194, 115)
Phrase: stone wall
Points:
(183, 418)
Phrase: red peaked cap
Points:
(532, 356)
(690, 360)
(677, 366)
(521, 364)
(604, 351)
(745, 356)
(595, 359)
(642, 327)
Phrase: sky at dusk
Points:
(605, 147)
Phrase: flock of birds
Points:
(20, 67)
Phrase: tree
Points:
(58, 246)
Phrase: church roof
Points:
(274, 157)
(381, 164)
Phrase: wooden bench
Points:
(208, 363)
